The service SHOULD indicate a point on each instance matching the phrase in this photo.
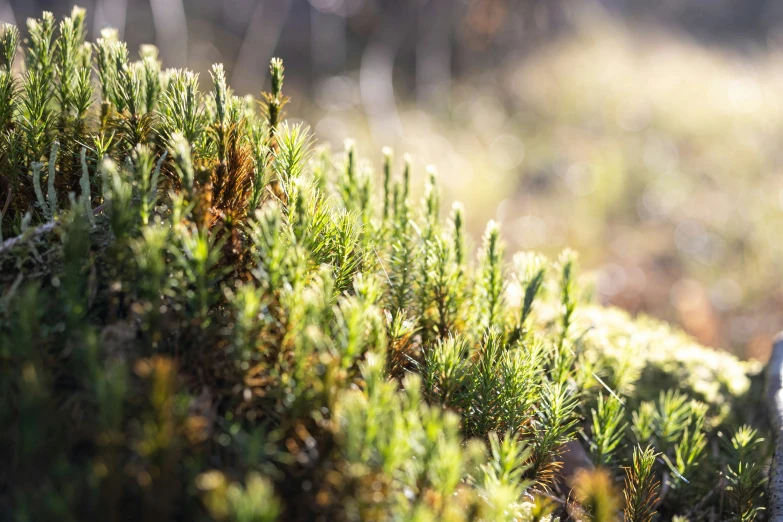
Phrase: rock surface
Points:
(775, 404)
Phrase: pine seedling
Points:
(36, 117)
(522, 375)
(434, 264)
(458, 234)
(9, 89)
(275, 100)
(567, 265)
(152, 71)
(107, 53)
(134, 125)
(294, 149)
(265, 140)
(439, 288)
(488, 295)
(745, 478)
(431, 204)
(509, 462)
(531, 273)
(484, 396)
(220, 95)
(743, 442)
(745, 486)
(672, 416)
(607, 429)
(387, 173)
(9, 44)
(407, 161)
(349, 182)
(311, 218)
(554, 425)
(458, 293)
(40, 51)
(240, 112)
(68, 59)
(689, 449)
(36, 114)
(643, 422)
(147, 174)
(8, 100)
(102, 144)
(261, 154)
(121, 64)
(403, 255)
(446, 369)
(367, 213)
(346, 249)
(182, 109)
(402, 276)
(82, 92)
(641, 487)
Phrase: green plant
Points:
(204, 319)
(608, 427)
(641, 487)
(744, 477)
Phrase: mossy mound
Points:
(663, 358)
(234, 325)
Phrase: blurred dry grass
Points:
(657, 158)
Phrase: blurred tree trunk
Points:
(327, 42)
(110, 13)
(258, 45)
(433, 54)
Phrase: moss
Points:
(666, 358)
(244, 333)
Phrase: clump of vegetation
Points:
(589, 156)
(204, 317)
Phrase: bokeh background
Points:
(646, 135)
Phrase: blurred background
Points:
(646, 135)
